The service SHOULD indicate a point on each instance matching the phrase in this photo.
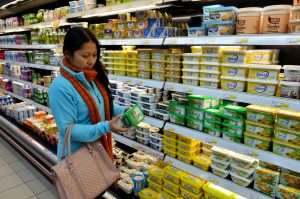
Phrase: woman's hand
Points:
(116, 125)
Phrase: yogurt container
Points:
(233, 83)
(234, 70)
(262, 87)
(264, 72)
(292, 73)
(248, 20)
(289, 89)
(209, 83)
(276, 19)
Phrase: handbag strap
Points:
(67, 141)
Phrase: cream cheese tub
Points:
(233, 84)
(248, 20)
(292, 73)
(264, 72)
(262, 87)
(234, 70)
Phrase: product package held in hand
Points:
(133, 116)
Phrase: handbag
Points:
(86, 173)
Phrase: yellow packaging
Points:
(234, 70)
(187, 140)
(170, 146)
(288, 119)
(170, 134)
(188, 147)
(144, 54)
(262, 87)
(264, 72)
(261, 114)
(234, 57)
(120, 72)
(173, 174)
(237, 84)
(210, 49)
(154, 186)
(119, 54)
(132, 74)
(259, 142)
(168, 195)
(192, 184)
(183, 158)
(169, 152)
(173, 65)
(108, 59)
(171, 187)
(173, 72)
(120, 66)
(174, 57)
(169, 141)
(156, 174)
(108, 53)
(188, 153)
(207, 152)
(210, 67)
(196, 49)
(192, 57)
(131, 67)
(210, 59)
(189, 195)
(158, 65)
(286, 135)
(286, 149)
(209, 74)
(209, 83)
(213, 191)
(159, 54)
(132, 62)
(259, 129)
(202, 161)
(263, 56)
(132, 54)
(149, 194)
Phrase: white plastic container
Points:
(142, 134)
(210, 66)
(192, 57)
(219, 172)
(156, 138)
(209, 83)
(242, 172)
(244, 182)
(248, 20)
(220, 164)
(156, 146)
(276, 19)
(142, 140)
(237, 84)
(290, 89)
(292, 73)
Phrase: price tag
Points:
(294, 41)
(280, 104)
(188, 90)
(213, 141)
(214, 181)
(230, 97)
(243, 41)
(56, 23)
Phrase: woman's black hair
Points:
(74, 40)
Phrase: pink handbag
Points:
(86, 173)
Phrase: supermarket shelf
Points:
(236, 96)
(227, 184)
(27, 46)
(136, 145)
(265, 156)
(29, 101)
(29, 65)
(154, 122)
(133, 80)
(259, 39)
(138, 41)
(24, 82)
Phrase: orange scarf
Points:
(95, 117)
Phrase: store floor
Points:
(20, 180)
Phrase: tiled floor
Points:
(19, 179)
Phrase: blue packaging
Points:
(139, 183)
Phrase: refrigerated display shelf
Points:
(265, 156)
(29, 101)
(27, 46)
(24, 82)
(30, 65)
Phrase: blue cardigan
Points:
(68, 107)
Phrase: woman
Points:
(81, 94)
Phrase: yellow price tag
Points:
(254, 153)
(243, 41)
(56, 23)
(230, 97)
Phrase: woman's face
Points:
(85, 57)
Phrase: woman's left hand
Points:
(115, 125)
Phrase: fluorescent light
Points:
(11, 3)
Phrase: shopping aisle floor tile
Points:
(19, 192)
(9, 182)
(5, 170)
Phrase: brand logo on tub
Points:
(260, 88)
(232, 85)
(232, 72)
(233, 59)
(263, 75)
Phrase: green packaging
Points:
(214, 114)
(199, 101)
(236, 112)
(133, 116)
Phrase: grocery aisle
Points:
(19, 179)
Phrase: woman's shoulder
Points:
(60, 83)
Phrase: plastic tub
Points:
(173, 57)
(173, 65)
(210, 58)
(217, 192)
(234, 70)
(173, 71)
(202, 161)
(295, 26)
(169, 152)
(234, 57)
(285, 192)
(142, 140)
(192, 184)
(189, 195)
(144, 74)
(187, 140)
(292, 73)
(156, 138)
(144, 54)
(191, 66)
(190, 73)
(190, 80)
(210, 66)
(266, 175)
(221, 153)
(259, 129)
(248, 20)
(233, 83)
(188, 147)
(161, 114)
(288, 119)
(209, 74)
(262, 56)
(259, 142)
(142, 134)
(183, 158)
(286, 149)
(194, 124)
(276, 19)
(286, 135)
(158, 65)
(221, 13)
(209, 83)
(264, 72)
(219, 172)
(268, 189)
(170, 186)
(210, 50)
(262, 87)
(220, 164)
(244, 182)
(132, 61)
(261, 114)
(154, 186)
(170, 134)
(173, 174)
(159, 54)
(158, 76)
(192, 57)
(195, 113)
(176, 79)
(216, 28)
(242, 172)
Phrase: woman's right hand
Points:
(115, 125)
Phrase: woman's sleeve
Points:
(64, 109)
(118, 110)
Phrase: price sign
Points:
(188, 90)
(243, 41)
(280, 104)
(231, 97)
(254, 153)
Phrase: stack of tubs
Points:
(131, 64)
(191, 66)
(158, 63)
(144, 63)
(173, 66)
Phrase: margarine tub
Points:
(210, 58)
(216, 192)
(191, 65)
(172, 78)
(285, 192)
(190, 73)
(174, 65)
(119, 60)
(295, 12)
(261, 114)
(292, 73)
(223, 13)
(158, 75)
(158, 65)
(234, 70)
(132, 61)
(209, 74)
(264, 72)
(144, 74)
(132, 54)
(159, 54)
(234, 57)
(144, 54)
(286, 149)
(262, 87)
(259, 129)
(287, 135)
(233, 83)
(289, 89)
(210, 50)
(248, 20)
(192, 57)
(288, 119)
(172, 57)
(259, 142)
(262, 56)
(206, 66)
(295, 26)
(194, 81)
(218, 28)
(196, 49)
(276, 19)
(173, 72)
(209, 83)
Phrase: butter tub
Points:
(233, 83)
(234, 56)
(262, 87)
(264, 72)
(209, 83)
(288, 120)
(194, 81)
(262, 56)
(286, 149)
(292, 73)
(286, 135)
(259, 142)
(207, 66)
(209, 74)
(192, 57)
(234, 70)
